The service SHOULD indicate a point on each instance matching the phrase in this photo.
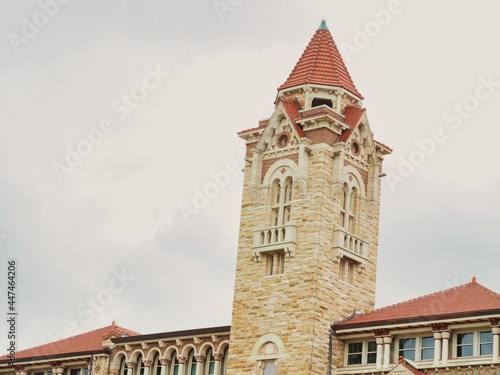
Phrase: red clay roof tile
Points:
(352, 115)
(292, 108)
(89, 341)
(465, 299)
(322, 64)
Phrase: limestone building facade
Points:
(306, 265)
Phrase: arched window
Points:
(174, 364)
(223, 365)
(155, 365)
(281, 202)
(123, 367)
(191, 363)
(210, 363)
(139, 367)
(348, 209)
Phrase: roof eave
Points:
(342, 327)
(172, 335)
(63, 356)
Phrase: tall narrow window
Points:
(465, 344)
(281, 202)
(139, 367)
(276, 203)
(174, 364)
(346, 271)
(427, 348)
(371, 352)
(156, 365)
(486, 343)
(224, 361)
(191, 363)
(355, 353)
(343, 201)
(407, 348)
(348, 209)
(210, 363)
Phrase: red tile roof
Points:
(85, 342)
(464, 300)
(352, 116)
(321, 64)
(292, 108)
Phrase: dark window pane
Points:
(407, 344)
(356, 347)
(372, 346)
(371, 358)
(465, 338)
(354, 359)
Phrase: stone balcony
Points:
(281, 238)
(348, 245)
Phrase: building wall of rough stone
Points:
(301, 304)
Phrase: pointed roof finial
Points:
(323, 25)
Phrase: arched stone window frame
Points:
(351, 195)
(281, 171)
(263, 359)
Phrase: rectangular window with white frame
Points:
(473, 344)
(419, 348)
(361, 353)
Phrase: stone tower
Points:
(309, 222)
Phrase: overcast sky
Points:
(162, 87)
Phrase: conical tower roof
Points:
(322, 64)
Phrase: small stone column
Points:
(20, 370)
(199, 363)
(446, 338)
(147, 365)
(437, 348)
(387, 350)
(496, 342)
(164, 364)
(218, 361)
(130, 367)
(57, 369)
(380, 351)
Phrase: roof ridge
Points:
(487, 290)
(417, 299)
